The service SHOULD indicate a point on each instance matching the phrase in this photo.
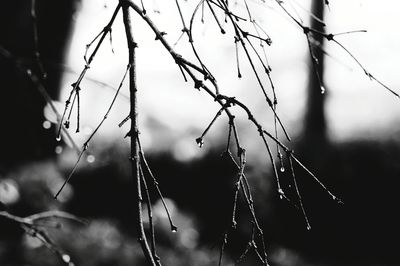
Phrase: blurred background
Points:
(348, 136)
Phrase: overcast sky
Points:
(356, 106)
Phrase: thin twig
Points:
(150, 215)
(155, 184)
(330, 37)
(298, 193)
(76, 84)
(31, 227)
(86, 144)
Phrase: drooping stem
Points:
(315, 120)
(75, 85)
(135, 158)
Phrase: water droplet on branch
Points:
(66, 124)
(200, 142)
(66, 258)
(234, 224)
(174, 229)
(281, 193)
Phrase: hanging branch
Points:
(298, 193)
(150, 216)
(75, 85)
(243, 184)
(225, 101)
(315, 63)
(241, 35)
(32, 226)
(135, 152)
(86, 144)
(144, 164)
(200, 140)
(204, 80)
(207, 83)
(331, 37)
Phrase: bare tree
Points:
(248, 44)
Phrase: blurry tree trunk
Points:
(314, 131)
(22, 135)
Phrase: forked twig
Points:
(32, 227)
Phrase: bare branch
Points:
(135, 151)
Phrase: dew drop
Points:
(339, 201)
(234, 224)
(323, 90)
(174, 229)
(58, 138)
(282, 169)
(200, 142)
(66, 258)
(281, 193)
(308, 227)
